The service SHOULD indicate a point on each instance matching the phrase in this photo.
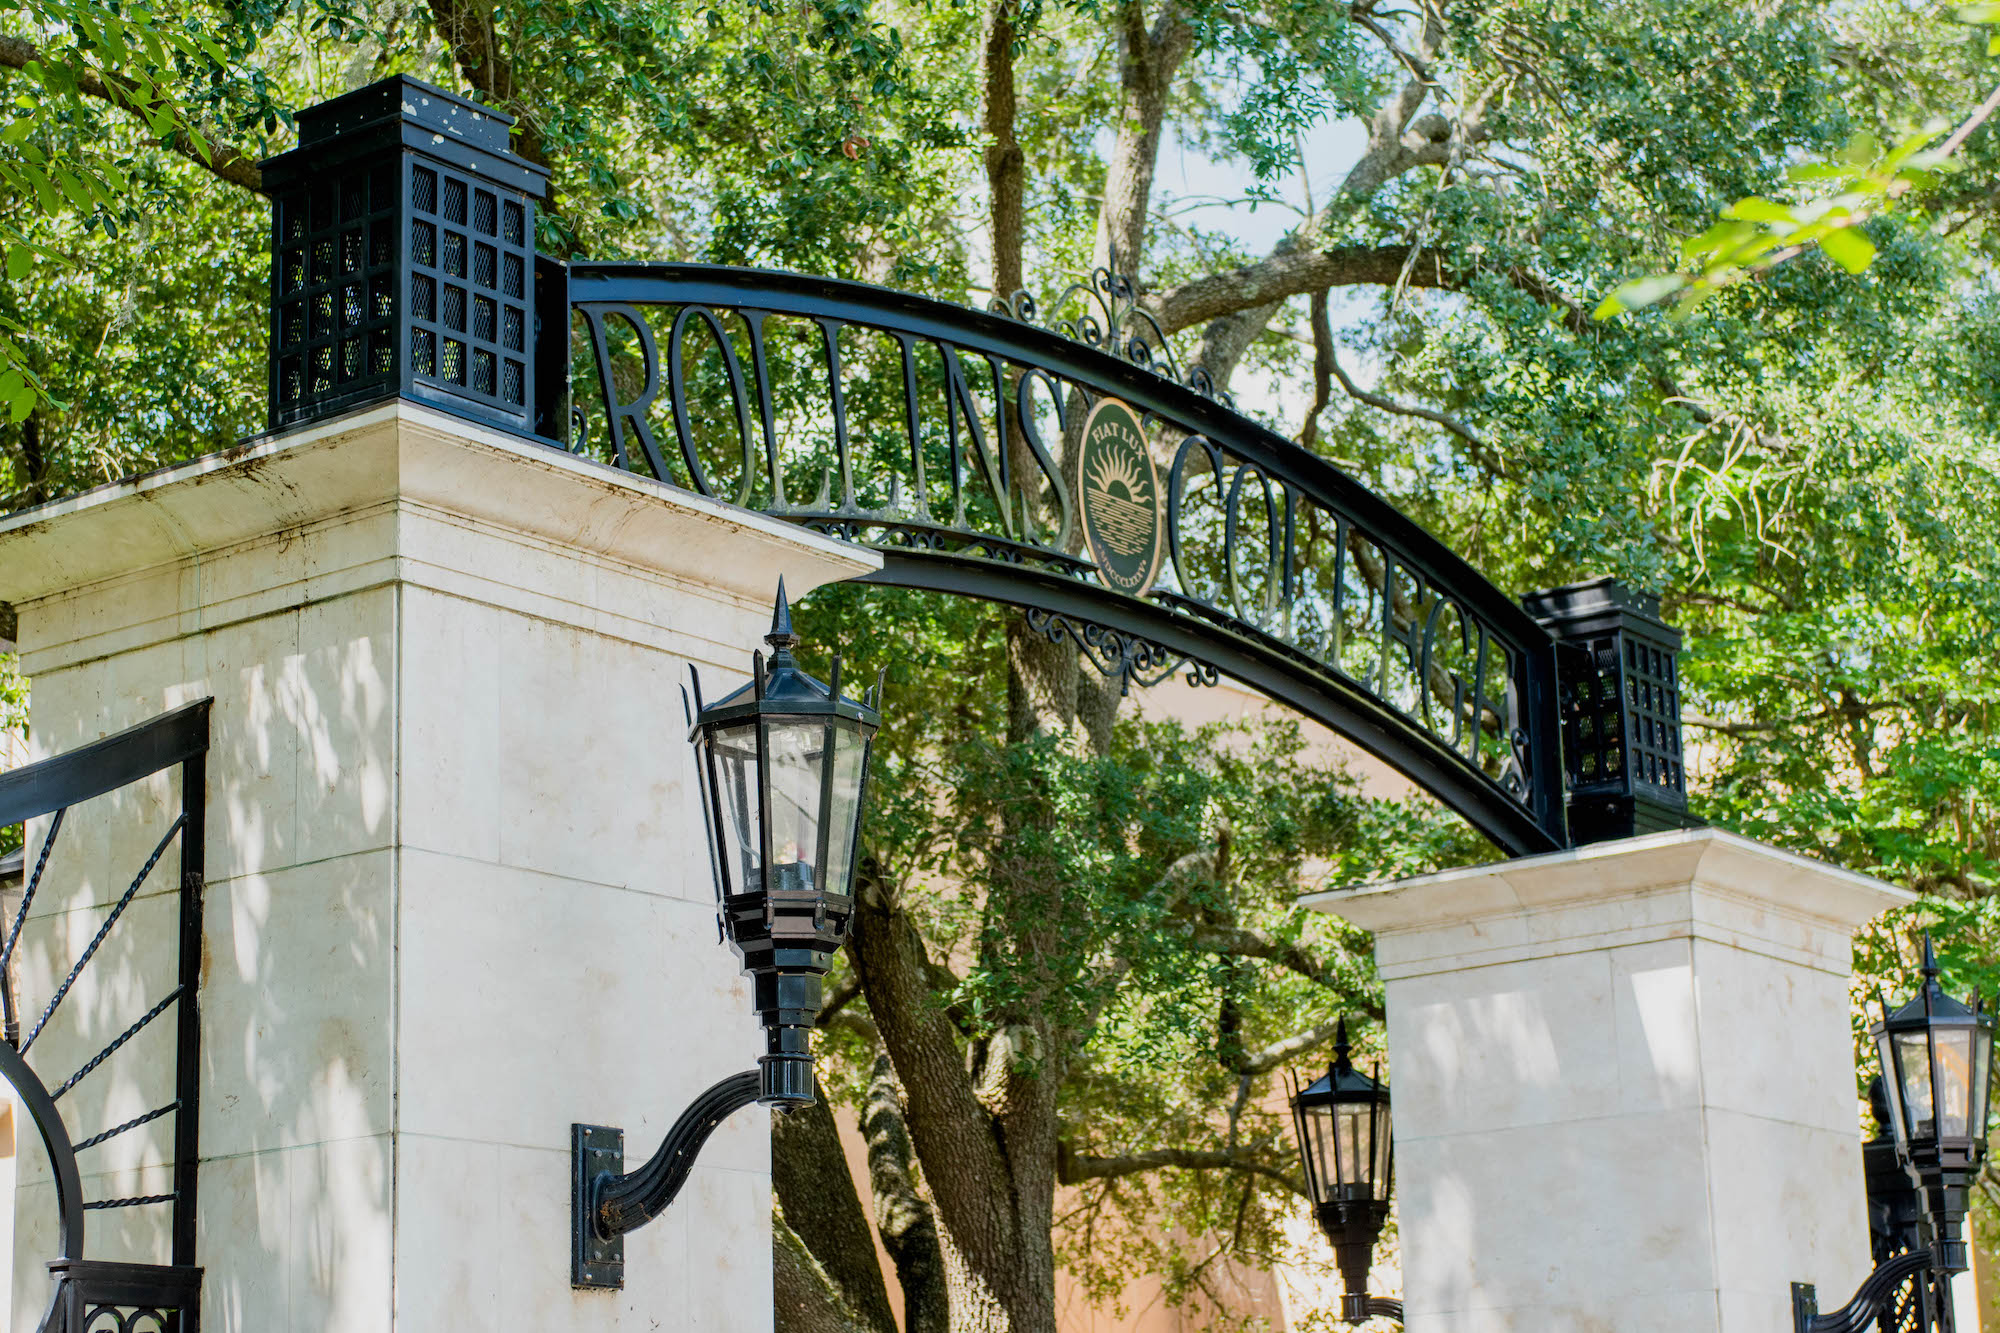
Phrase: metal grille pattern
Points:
(1621, 700)
(469, 265)
(334, 289)
(1624, 714)
(403, 259)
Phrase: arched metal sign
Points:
(1064, 464)
(1076, 472)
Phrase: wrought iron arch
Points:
(1280, 570)
(949, 440)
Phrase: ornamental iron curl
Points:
(1126, 657)
(1108, 316)
(946, 439)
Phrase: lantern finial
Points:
(1341, 1045)
(781, 638)
(1930, 968)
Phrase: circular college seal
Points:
(1119, 499)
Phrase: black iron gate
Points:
(94, 1295)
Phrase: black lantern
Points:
(1937, 1065)
(1344, 1148)
(783, 765)
(783, 770)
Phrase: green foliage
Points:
(1123, 857)
(1804, 466)
(13, 722)
(133, 58)
(1864, 182)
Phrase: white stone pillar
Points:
(458, 893)
(1624, 1085)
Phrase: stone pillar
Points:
(458, 894)
(1624, 1085)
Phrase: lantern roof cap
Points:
(1342, 1082)
(1932, 1003)
(779, 687)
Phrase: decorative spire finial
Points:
(1930, 959)
(781, 638)
(1340, 1044)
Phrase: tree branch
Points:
(1297, 272)
(1279, 1052)
(1073, 1168)
(1235, 941)
(222, 161)
(466, 27)
(1006, 164)
(804, 1299)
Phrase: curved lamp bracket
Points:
(606, 1201)
(1870, 1299)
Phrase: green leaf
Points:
(1754, 209)
(19, 261)
(1639, 293)
(1862, 149)
(1986, 11)
(1721, 236)
(1849, 248)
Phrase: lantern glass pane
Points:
(795, 749)
(1913, 1061)
(1352, 1142)
(1319, 1142)
(844, 809)
(1982, 1079)
(1954, 1081)
(1892, 1086)
(1378, 1180)
(735, 753)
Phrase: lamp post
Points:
(1342, 1121)
(783, 768)
(1937, 1066)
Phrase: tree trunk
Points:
(1006, 165)
(810, 1177)
(909, 1232)
(803, 1299)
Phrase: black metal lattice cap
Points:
(1619, 682)
(403, 259)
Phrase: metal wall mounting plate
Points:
(594, 1262)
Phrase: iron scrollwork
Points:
(945, 438)
(1127, 658)
(1112, 319)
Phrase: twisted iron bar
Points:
(116, 1042)
(90, 950)
(13, 1020)
(619, 1204)
(133, 1123)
